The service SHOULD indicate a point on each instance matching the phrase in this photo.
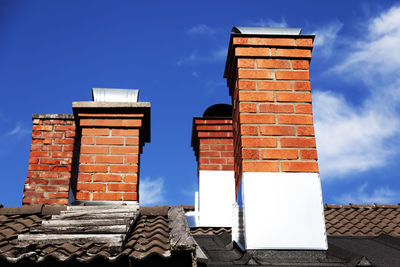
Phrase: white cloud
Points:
(381, 195)
(201, 29)
(386, 23)
(12, 136)
(349, 138)
(195, 58)
(358, 138)
(325, 37)
(268, 23)
(151, 191)
(18, 131)
(376, 58)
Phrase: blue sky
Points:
(54, 52)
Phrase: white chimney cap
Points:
(266, 31)
(115, 95)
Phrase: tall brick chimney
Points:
(113, 130)
(212, 143)
(267, 71)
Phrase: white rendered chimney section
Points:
(283, 211)
(217, 197)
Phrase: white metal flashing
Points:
(235, 223)
(196, 202)
(283, 211)
(266, 30)
(217, 197)
(115, 95)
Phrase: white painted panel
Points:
(217, 196)
(283, 211)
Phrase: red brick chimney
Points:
(212, 143)
(50, 161)
(212, 140)
(112, 137)
(267, 72)
(102, 141)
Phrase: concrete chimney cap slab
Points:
(94, 104)
(266, 31)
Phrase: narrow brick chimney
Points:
(213, 146)
(51, 160)
(113, 132)
(267, 73)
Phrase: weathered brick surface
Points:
(212, 143)
(50, 164)
(268, 79)
(109, 156)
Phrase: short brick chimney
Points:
(51, 159)
(102, 142)
(212, 142)
(112, 134)
(267, 72)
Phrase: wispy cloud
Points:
(201, 29)
(377, 57)
(325, 37)
(14, 134)
(18, 131)
(190, 190)
(352, 138)
(359, 138)
(151, 191)
(212, 86)
(195, 58)
(15, 131)
(268, 23)
(381, 195)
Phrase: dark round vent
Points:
(218, 110)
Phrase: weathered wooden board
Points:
(113, 239)
(83, 224)
(79, 208)
(88, 215)
(94, 229)
(99, 222)
(93, 211)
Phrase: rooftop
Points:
(368, 234)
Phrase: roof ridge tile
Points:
(354, 205)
